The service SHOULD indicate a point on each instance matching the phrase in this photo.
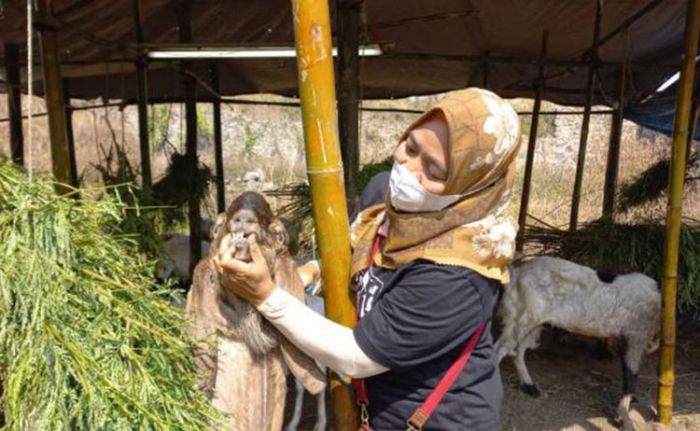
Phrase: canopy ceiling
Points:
(429, 47)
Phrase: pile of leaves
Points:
(621, 248)
(88, 340)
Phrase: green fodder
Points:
(88, 340)
(622, 248)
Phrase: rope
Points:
(30, 81)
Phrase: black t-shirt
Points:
(416, 320)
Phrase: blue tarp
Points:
(657, 112)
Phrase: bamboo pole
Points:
(312, 34)
(348, 96)
(530, 158)
(669, 281)
(70, 135)
(14, 102)
(183, 8)
(583, 143)
(53, 91)
(218, 149)
(613, 164)
(141, 65)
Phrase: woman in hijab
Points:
(427, 264)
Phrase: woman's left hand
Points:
(249, 280)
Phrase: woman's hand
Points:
(249, 280)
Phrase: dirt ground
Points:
(579, 392)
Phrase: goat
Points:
(243, 367)
(573, 297)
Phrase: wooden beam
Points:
(14, 102)
(218, 148)
(530, 158)
(141, 65)
(669, 281)
(349, 97)
(183, 8)
(583, 143)
(53, 89)
(312, 35)
(70, 135)
(611, 171)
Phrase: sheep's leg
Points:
(623, 411)
(298, 404)
(631, 359)
(630, 365)
(526, 383)
(508, 341)
(321, 418)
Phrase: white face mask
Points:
(408, 195)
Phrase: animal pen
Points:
(581, 53)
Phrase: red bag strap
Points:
(423, 413)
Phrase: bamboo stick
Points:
(142, 96)
(218, 149)
(613, 164)
(583, 143)
(669, 281)
(14, 102)
(348, 96)
(312, 34)
(53, 89)
(530, 158)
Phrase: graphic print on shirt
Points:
(368, 288)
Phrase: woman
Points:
(427, 264)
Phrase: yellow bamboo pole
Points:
(312, 33)
(673, 214)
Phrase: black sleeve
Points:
(373, 194)
(429, 312)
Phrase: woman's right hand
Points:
(249, 280)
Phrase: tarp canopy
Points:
(658, 111)
(429, 47)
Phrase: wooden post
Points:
(218, 149)
(612, 168)
(348, 94)
(69, 134)
(183, 8)
(14, 102)
(530, 159)
(141, 65)
(669, 282)
(53, 90)
(578, 181)
(312, 34)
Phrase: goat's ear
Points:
(278, 235)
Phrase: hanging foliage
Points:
(650, 184)
(621, 248)
(88, 340)
(184, 179)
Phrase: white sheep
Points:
(563, 294)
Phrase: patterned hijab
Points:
(474, 232)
